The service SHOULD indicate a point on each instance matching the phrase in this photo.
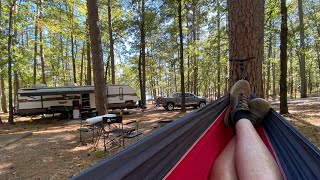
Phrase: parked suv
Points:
(191, 100)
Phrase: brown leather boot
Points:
(259, 109)
(239, 98)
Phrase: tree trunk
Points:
(175, 75)
(97, 57)
(183, 99)
(82, 62)
(89, 78)
(195, 58)
(35, 46)
(73, 59)
(140, 77)
(318, 55)
(188, 58)
(283, 59)
(274, 91)
(3, 95)
(291, 73)
(73, 44)
(44, 81)
(246, 23)
(106, 71)
(226, 80)
(111, 44)
(310, 81)
(16, 88)
(143, 56)
(67, 65)
(10, 120)
(268, 60)
(62, 59)
(218, 50)
(303, 89)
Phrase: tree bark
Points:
(111, 43)
(274, 91)
(283, 59)
(73, 42)
(73, 59)
(67, 65)
(310, 80)
(97, 57)
(175, 75)
(303, 89)
(318, 54)
(89, 78)
(140, 77)
(3, 95)
(218, 50)
(183, 99)
(82, 62)
(291, 73)
(35, 46)
(143, 55)
(269, 56)
(188, 58)
(195, 58)
(246, 23)
(16, 88)
(62, 59)
(44, 81)
(10, 120)
(226, 80)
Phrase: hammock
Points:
(188, 147)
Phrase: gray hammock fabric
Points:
(154, 156)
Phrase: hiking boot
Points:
(239, 98)
(259, 109)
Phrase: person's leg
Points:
(252, 158)
(224, 166)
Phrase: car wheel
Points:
(170, 106)
(201, 104)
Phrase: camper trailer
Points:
(46, 100)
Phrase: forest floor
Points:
(53, 151)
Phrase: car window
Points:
(187, 95)
(192, 96)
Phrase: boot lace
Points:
(243, 101)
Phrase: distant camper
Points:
(46, 100)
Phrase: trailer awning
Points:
(60, 91)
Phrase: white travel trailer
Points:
(46, 100)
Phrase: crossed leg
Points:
(224, 166)
(245, 157)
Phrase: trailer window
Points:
(121, 93)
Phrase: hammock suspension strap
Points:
(242, 66)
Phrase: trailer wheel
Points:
(170, 106)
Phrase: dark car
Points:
(175, 101)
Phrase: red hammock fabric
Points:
(188, 147)
(198, 161)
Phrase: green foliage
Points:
(99, 154)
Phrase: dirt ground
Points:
(53, 151)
